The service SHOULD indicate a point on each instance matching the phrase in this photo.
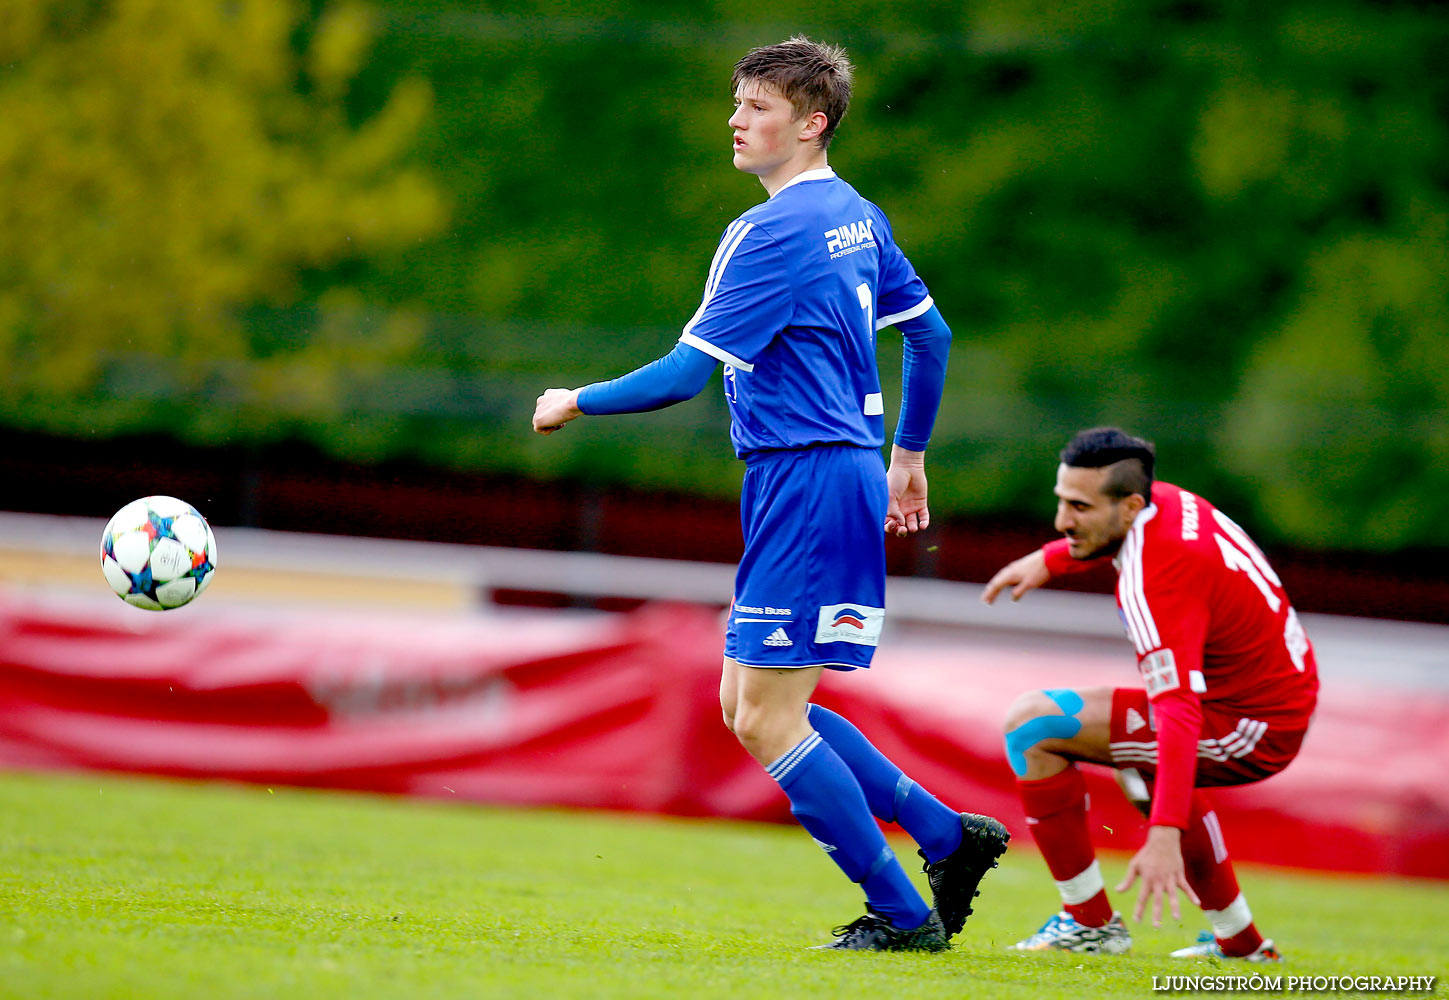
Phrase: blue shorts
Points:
(810, 591)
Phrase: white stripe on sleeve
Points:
(718, 353)
(728, 244)
(1127, 590)
(1131, 590)
(731, 242)
(919, 309)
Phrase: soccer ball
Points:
(158, 553)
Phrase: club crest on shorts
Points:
(854, 623)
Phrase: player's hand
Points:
(555, 408)
(1027, 573)
(906, 510)
(1159, 865)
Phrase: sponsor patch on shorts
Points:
(855, 623)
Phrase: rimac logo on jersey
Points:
(854, 623)
(848, 239)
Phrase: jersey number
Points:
(1242, 556)
(863, 290)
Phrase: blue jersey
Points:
(796, 292)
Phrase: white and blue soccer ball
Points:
(158, 553)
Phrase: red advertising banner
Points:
(621, 712)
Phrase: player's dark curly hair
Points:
(812, 76)
(1129, 460)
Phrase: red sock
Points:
(1056, 813)
(1210, 873)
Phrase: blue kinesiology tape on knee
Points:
(1044, 727)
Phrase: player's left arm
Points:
(903, 301)
(923, 377)
(1159, 864)
(1173, 605)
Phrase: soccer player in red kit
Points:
(1229, 686)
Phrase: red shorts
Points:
(1231, 750)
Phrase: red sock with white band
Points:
(1210, 873)
(1056, 814)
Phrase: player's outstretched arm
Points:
(906, 511)
(1024, 574)
(555, 408)
(677, 376)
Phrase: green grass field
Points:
(126, 887)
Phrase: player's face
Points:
(766, 131)
(1093, 522)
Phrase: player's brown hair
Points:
(812, 76)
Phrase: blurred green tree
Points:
(165, 164)
(1216, 222)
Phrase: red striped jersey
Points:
(1208, 616)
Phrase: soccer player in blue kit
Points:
(796, 292)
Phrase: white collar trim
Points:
(1138, 524)
(820, 174)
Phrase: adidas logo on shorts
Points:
(778, 638)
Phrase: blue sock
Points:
(828, 802)
(892, 796)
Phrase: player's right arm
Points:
(1035, 569)
(1021, 575)
(747, 300)
(677, 376)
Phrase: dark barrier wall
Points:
(294, 488)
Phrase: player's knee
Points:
(728, 704)
(761, 730)
(1027, 706)
(749, 726)
(1037, 716)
